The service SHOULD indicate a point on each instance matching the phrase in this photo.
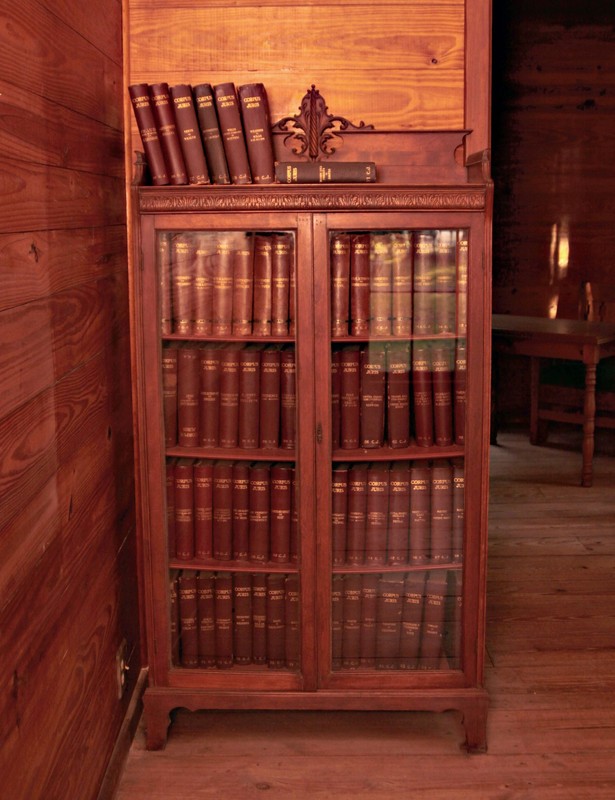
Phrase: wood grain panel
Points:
(323, 5)
(94, 23)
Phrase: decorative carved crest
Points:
(314, 131)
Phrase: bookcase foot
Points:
(475, 726)
(157, 720)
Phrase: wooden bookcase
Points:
(385, 656)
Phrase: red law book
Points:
(377, 515)
(372, 395)
(280, 283)
(453, 620)
(170, 506)
(242, 618)
(144, 115)
(203, 509)
(388, 620)
(442, 384)
(369, 609)
(209, 395)
(188, 616)
(401, 283)
(276, 621)
(411, 619)
(293, 630)
(259, 618)
(458, 511)
(350, 389)
(433, 620)
(359, 284)
(223, 604)
(231, 128)
(288, 399)
(336, 419)
(167, 133)
(281, 480)
(340, 283)
(399, 513)
(206, 609)
(462, 282)
(441, 512)
(182, 282)
(459, 391)
(424, 283)
(260, 505)
(203, 287)
(351, 622)
(257, 130)
(174, 616)
(337, 620)
(445, 246)
(292, 289)
(263, 270)
(184, 509)
(210, 133)
(294, 517)
(380, 284)
(357, 513)
(269, 425)
(420, 512)
(422, 391)
(169, 394)
(339, 512)
(223, 286)
(223, 510)
(241, 510)
(249, 397)
(243, 286)
(189, 134)
(398, 394)
(188, 385)
(163, 256)
(229, 397)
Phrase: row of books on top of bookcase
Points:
(396, 621)
(231, 511)
(238, 619)
(398, 513)
(227, 283)
(229, 396)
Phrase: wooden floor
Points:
(550, 673)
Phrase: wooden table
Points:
(574, 340)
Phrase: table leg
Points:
(589, 420)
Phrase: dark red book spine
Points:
(210, 133)
(372, 395)
(359, 284)
(459, 391)
(184, 510)
(206, 619)
(231, 128)
(398, 394)
(336, 417)
(260, 505)
(189, 134)
(441, 512)
(141, 105)
(203, 288)
(249, 397)
(380, 284)
(241, 510)
(351, 625)
(209, 396)
(442, 383)
(350, 391)
(411, 619)
(242, 618)
(223, 510)
(422, 394)
(339, 512)
(424, 283)
(223, 602)
(377, 519)
(357, 513)
(263, 269)
(276, 621)
(458, 511)
(462, 282)
(203, 509)
(294, 517)
(259, 618)
(182, 283)
(243, 287)
(167, 133)
(340, 283)
(420, 513)
(229, 397)
(170, 506)
(288, 399)
(280, 283)
(174, 616)
(281, 480)
(337, 620)
(163, 255)
(269, 426)
(401, 280)
(292, 289)
(223, 287)
(320, 172)
(188, 615)
(369, 611)
(257, 130)
(445, 281)
(293, 629)
(433, 620)
(169, 395)
(188, 386)
(399, 513)
(424, 313)
(388, 625)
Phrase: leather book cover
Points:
(292, 290)
(281, 479)
(259, 618)
(458, 511)
(174, 621)
(169, 394)
(188, 390)
(336, 414)
(223, 604)
(340, 283)
(188, 616)
(280, 283)
(422, 394)
(359, 284)
(182, 283)
(223, 286)
(163, 264)
(293, 630)
(288, 399)
(459, 391)
(424, 313)
(242, 618)
(377, 515)
(203, 290)
(337, 620)
(453, 620)
(357, 513)
(209, 396)
(189, 134)
(229, 397)
(294, 517)
(206, 619)
(210, 133)
(433, 620)
(399, 513)
(144, 115)
(350, 392)
(444, 311)
(269, 425)
(398, 394)
(369, 611)
(276, 621)
(445, 246)
(401, 281)
(339, 513)
(243, 286)
(257, 131)
(167, 133)
(388, 624)
(442, 358)
(462, 282)
(424, 262)
(420, 512)
(241, 510)
(231, 128)
(263, 270)
(170, 506)
(321, 172)
(411, 620)
(203, 508)
(184, 509)
(372, 395)
(380, 284)
(351, 621)
(223, 510)
(441, 512)
(249, 397)
(260, 506)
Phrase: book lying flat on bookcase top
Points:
(319, 172)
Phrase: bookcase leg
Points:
(157, 720)
(475, 726)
